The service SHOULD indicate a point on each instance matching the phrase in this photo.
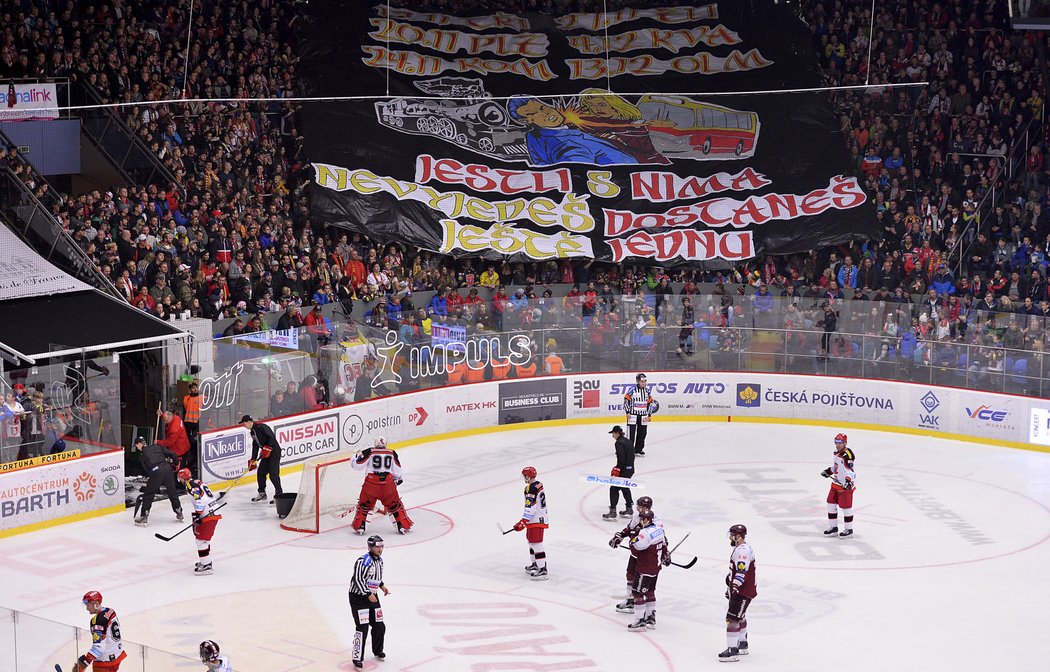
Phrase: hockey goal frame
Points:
(317, 467)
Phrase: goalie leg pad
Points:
(397, 509)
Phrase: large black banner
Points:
(586, 135)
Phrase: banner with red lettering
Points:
(597, 136)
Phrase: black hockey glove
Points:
(615, 541)
(826, 473)
(196, 518)
(399, 481)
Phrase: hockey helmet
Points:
(375, 540)
(209, 651)
(646, 516)
(92, 596)
(840, 438)
(738, 529)
(645, 501)
(184, 474)
(529, 472)
(380, 442)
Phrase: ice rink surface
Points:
(946, 570)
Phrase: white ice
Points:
(946, 571)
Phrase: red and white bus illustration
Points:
(699, 130)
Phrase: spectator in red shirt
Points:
(176, 438)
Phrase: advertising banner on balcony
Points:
(604, 136)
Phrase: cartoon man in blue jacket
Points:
(552, 140)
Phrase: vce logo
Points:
(987, 413)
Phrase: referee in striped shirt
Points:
(364, 601)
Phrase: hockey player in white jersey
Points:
(741, 588)
(214, 662)
(843, 485)
(534, 520)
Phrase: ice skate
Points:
(627, 513)
(611, 515)
(261, 497)
(637, 626)
(178, 516)
(730, 655)
(639, 453)
(203, 570)
(650, 621)
(831, 530)
(401, 529)
(539, 575)
(142, 521)
(741, 648)
(846, 533)
(626, 607)
(529, 569)
(358, 664)
(381, 657)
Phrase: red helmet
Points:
(645, 501)
(840, 438)
(92, 596)
(529, 472)
(646, 515)
(184, 474)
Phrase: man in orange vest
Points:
(552, 364)
(191, 404)
(500, 368)
(526, 370)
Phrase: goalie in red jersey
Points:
(381, 481)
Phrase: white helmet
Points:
(380, 442)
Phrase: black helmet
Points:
(738, 529)
(375, 540)
(209, 651)
(646, 501)
(646, 515)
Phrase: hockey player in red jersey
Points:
(534, 521)
(642, 505)
(381, 481)
(741, 589)
(107, 651)
(843, 485)
(205, 518)
(649, 546)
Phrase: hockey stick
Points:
(163, 538)
(687, 565)
(502, 531)
(680, 543)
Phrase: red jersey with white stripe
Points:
(742, 570)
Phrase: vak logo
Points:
(84, 487)
(929, 403)
(587, 394)
(418, 416)
(748, 395)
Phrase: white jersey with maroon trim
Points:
(379, 461)
(742, 570)
(636, 524)
(535, 512)
(105, 636)
(220, 665)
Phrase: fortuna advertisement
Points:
(61, 489)
(514, 143)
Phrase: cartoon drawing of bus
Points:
(699, 130)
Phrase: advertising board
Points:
(61, 489)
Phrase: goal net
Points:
(328, 489)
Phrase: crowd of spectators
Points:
(232, 237)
